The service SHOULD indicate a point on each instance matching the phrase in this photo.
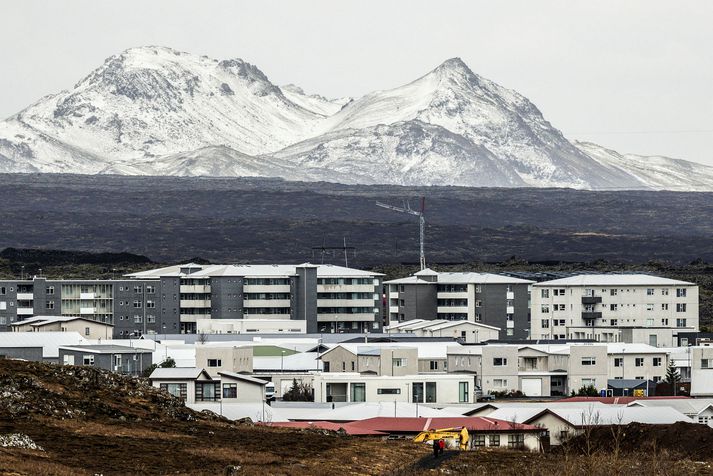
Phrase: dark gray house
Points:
(492, 299)
(116, 358)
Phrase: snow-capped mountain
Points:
(157, 111)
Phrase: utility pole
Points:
(421, 223)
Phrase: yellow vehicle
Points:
(457, 435)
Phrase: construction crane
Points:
(456, 435)
(421, 222)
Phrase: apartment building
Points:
(133, 306)
(491, 299)
(387, 359)
(634, 308)
(173, 299)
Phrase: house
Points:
(463, 331)
(626, 387)
(88, 328)
(565, 423)
(700, 410)
(115, 358)
(418, 388)
(37, 346)
(387, 358)
(484, 432)
(239, 388)
(216, 358)
(189, 384)
(701, 362)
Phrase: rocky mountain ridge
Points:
(157, 111)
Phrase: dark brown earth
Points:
(93, 422)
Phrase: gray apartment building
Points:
(173, 299)
(492, 299)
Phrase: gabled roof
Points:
(180, 373)
(257, 270)
(245, 378)
(613, 415)
(348, 428)
(614, 280)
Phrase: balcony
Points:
(87, 310)
(452, 309)
(87, 296)
(510, 295)
(510, 310)
(195, 303)
(25, 296)
(24, 311)
(394, 309)
(251, 303)
(589, 300)
(591, 315)
(195, 289)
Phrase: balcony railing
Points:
(591, 315)
(591, 299)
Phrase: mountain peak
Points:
(454, 66)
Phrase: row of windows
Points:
(267, 281)
(346, 310)
(266, 296)
(638, 361)
(347, 296)
(545, 293)
(347, 281)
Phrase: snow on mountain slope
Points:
(657, 172)
(313, 102)
(154, 110)
(152, 101)
(403, 153)
(212, 161)
(499, 119)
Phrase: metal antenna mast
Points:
(421, 222)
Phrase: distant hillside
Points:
(257, 220)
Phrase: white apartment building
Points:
(633, 308)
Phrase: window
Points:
(400, 362)
(137, 304)
(138, 319)
(564, 435)
(558, 292)
(639, 362)
(150, 304)
(703, 420)
(516, 441)
(618, 362)
(479, 440)
(150, 289)
(463, 392)
(653, 340)
(434, 365)
(353, 366)
(50, 305)
(494, 440)
(614, 322)
(706, 363)
(680, 292)
(86, 331)
(545, 323)
(230, 390)
(3, 291)
(50, 290)
(388, 391)
(500, 361)
(613, 307)
(500, 382)
(657, 361)
(545, 293)
(478, 303)
(589, 361)
(176, 389)
(649, 322)
(664, 307)
(215, 363)
(681, 307)
(589, 382)
(151, 319)
(664, 322)
(680, 323)
(664, 292)
(431, 392)
(649, 291)
(649, 307)
(612, 292)
(510, 331)
(545, 309)
(88, 360)
(417, 392)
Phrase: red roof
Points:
(617, 400)
(416, 425)
(327, 425)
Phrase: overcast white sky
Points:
(635, 75)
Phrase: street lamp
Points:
(282, 362)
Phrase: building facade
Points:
(495, 300)
(633, 308)
(171, 300)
